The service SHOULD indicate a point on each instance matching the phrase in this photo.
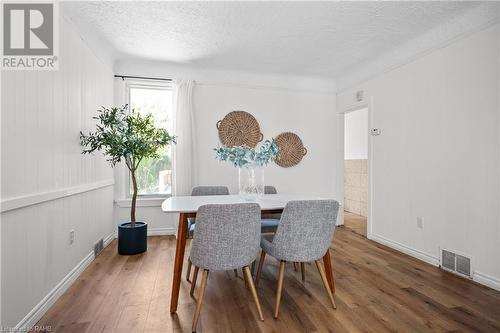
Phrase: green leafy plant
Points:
(127, 136)
(243, 155)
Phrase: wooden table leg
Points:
(179, 260)
(328, 270)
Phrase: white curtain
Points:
(184, 167)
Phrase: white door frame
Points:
(355, 107)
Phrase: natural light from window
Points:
(154, 176)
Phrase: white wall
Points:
(310, 115)
(497, 276)
(48, 187)
(438, 154)
(279, 105)
(356, 135)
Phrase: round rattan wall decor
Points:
(292, 149)
(239, 128)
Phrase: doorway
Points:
(356, 171)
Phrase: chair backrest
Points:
(210, 190)
(305, 230)
(268, 189)
(227, 236)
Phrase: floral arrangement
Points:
(243, 155)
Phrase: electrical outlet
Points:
(420, 222)
(71, 236)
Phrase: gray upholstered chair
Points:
(197, 191)
(270, 222)
(209, 190)
(227, 238)
(303, 235)
(204, 190)
(268, 189)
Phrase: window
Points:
(154, 176)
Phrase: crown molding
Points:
(471, 21)
(208, 76)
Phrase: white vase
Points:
(251, 181)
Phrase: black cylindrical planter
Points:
(132, 240)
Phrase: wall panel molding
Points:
(50, 189)
(41, 308)
(37, 198)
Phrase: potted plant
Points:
(131, 137)
(250, 163)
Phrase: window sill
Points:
(141, 202)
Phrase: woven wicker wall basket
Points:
(239, 128)
(292, 149)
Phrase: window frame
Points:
(153, 85)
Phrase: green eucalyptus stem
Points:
(243, 155)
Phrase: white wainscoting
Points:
(37, 198)
(48, 186)
(39, 310)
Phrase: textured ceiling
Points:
(304, 38)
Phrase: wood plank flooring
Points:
(378, 290)
(356, 223)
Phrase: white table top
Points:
(190, 204)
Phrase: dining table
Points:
(187, 206)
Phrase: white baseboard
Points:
(487, 280)
(162, 231)
(109, 238)
(430, 259)
(41, 308)
(167, 231)
(478, 277)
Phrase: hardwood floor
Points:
(356, 223)
(377, 290)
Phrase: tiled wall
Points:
(356, 186)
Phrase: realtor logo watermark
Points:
(30, 36)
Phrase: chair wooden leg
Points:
(295, 266)
(188, 273)
(259, 268)
(249, 278)
(236, 273)
(253, 268)
(303, 271)
(325, 283)
(243, 272)
(327, 264)
(203, 285)
(195, 277)
(281, 277)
